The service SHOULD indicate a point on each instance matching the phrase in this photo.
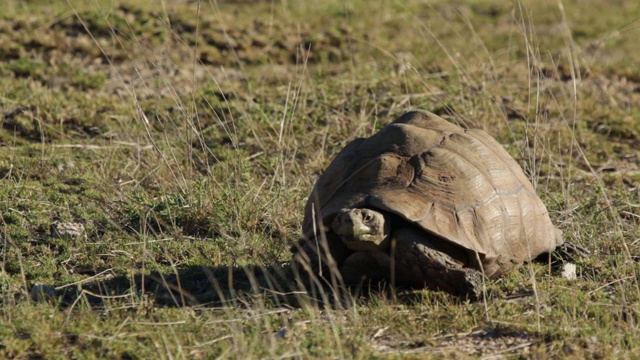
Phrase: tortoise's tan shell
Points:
(458, 184)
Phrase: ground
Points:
(155, 158)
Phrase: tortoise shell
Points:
(460, 186)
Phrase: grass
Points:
(186, 136)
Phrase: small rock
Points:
(42, 292)
(281, 334)
(569, 271)
(68, 230)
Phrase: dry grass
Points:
(185, 137)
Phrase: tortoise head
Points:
(362, 229)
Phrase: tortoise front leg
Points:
(419, 264)
(366, 267)
(320, 257)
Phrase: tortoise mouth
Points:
(365, 243)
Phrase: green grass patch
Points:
(185, 138)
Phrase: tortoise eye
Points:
(368, 217)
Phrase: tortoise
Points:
(427, 204)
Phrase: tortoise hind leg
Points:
(566, 252)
